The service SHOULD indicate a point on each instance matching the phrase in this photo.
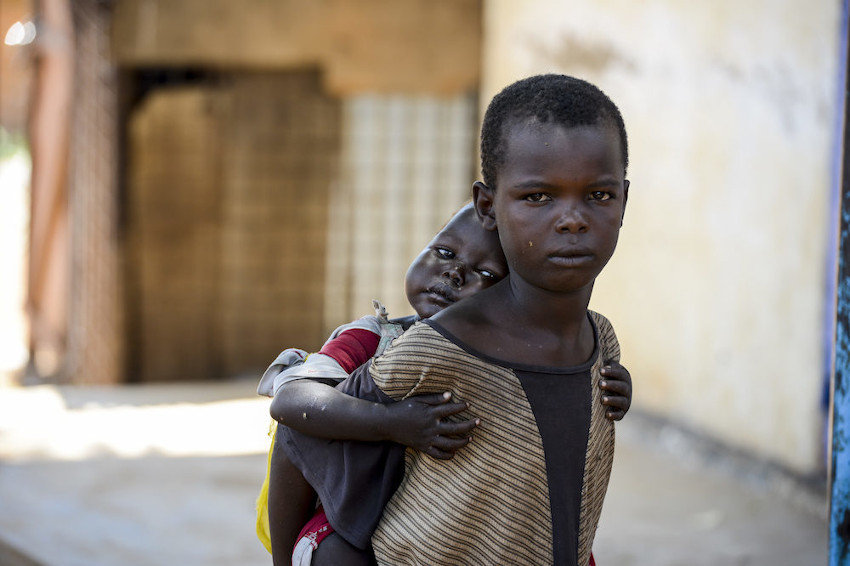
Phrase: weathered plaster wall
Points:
(718, 287)
(415, 46)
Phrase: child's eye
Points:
(445, 253)
(537, 197)
(601, 195)
(490, 276)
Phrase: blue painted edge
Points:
(839, 484)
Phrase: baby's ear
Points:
(483, 200)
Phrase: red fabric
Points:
(352, 348)
(317, 527)
(592, 561)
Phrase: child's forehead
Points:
(530, 136)
(465, 231)
(534, 125)
(461, 225)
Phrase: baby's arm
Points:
(319, 410)
(617, 390)
(315, 408)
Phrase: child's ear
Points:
(625, 200)
(482, 199)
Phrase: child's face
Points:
(462, 259)
(559, 204)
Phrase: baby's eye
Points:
(601, 195)
(490, 277)
(537, 197)
(445, 253)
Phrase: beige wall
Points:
(367, 46)
(717, 288)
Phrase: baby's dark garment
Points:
(354, 480)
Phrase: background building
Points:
(205, 173)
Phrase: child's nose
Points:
(455, 273)
(571, 219)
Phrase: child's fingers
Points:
(613, 364)
(617, 390)
(616, 387)
(616, 373)
(441, 403)
(448, 444)
(448, 409)
(439, 454)
(615, 415)
(432, 398)
(615, 402)
(461, 428)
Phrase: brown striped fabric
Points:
(600, 443)
(490, 503)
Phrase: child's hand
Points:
(616, 388)
(419, 422)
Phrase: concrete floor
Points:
(168, 474)
(671, 503)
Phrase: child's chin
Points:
(426, 308)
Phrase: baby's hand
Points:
(419, 422)
(616, 385)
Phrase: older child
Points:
(461, 260)
(526, 353)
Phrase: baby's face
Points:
(462, 259)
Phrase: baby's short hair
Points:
(557, 99)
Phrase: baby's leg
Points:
(335, 551)
(291, 504)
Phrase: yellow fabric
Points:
(263, 498)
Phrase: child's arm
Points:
(617, 388)
(305, 401)
(319, 410)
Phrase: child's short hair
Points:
(559, 99)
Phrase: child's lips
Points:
(572, 258)
(442, 294)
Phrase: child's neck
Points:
(554, 311)
(552, 327)
(519, 323)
